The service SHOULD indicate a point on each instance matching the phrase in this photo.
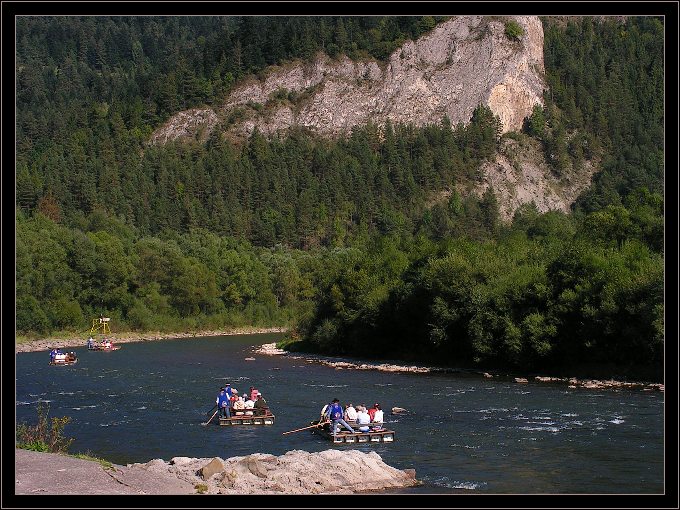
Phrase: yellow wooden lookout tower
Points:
(101, 325)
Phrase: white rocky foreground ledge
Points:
(295, 472)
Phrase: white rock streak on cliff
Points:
(463, 62)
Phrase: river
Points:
(463, 434)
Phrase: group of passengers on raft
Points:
(229, 403)
(105, 344)
(58, 354)
(366, 419)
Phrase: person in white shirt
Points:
(363, 419)
(351, 413)
(249, 405)
(378, 416)
(239, 405)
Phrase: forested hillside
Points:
(360, 242)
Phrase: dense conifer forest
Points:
(342, 240)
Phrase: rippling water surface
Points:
(463, 435)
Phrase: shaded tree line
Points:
(176, 281)
(300, 190)
(550, 294)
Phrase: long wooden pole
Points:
(210, 418)
(304, 428)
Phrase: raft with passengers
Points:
(57, 357)
(248, 409)
(359, 425)
(101, 327)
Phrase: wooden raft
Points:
(345, 436)
(246, 419)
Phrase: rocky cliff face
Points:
(519, 175)
(463, 62)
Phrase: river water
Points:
(463, 434)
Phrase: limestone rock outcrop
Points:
(295, 472)
(461, 63)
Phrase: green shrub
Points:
(513, 30)
(42, 437)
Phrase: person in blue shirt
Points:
(228, 391)
(223, 404)
(337, 417)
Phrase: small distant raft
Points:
(375, 435)
(248, 419)
(101, 327)
(64, 358)
(103, 346)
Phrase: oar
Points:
(210, 418)
(213, 407)
(305, 428)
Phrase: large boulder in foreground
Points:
(296, 472)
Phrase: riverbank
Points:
(271, 349)
(295, 472)
(47, 344)
(571, 382)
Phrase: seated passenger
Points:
(378, 415)
(363, 419)
(249, 405)
(378, 418)
(351, 413)
(324, 410)
(239, 406)
(261, 407)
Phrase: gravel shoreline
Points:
(48, 344)
(571, 382)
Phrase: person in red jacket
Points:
(372, 410)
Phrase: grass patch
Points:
(201, 488)
(87, 456)
(27, 337)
